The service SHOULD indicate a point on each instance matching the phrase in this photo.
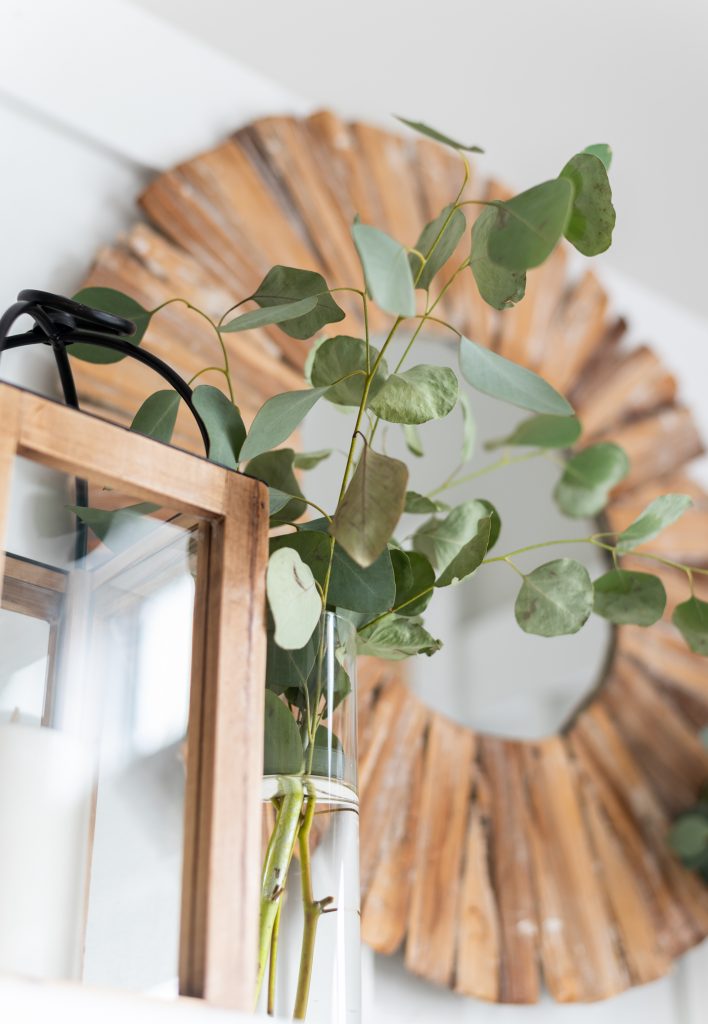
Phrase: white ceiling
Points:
(532, 82)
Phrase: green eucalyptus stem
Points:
(312, 910)
(275, 869)
(195, 309)
(501, 463)
(273, 961)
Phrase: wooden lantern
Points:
(495, 864)
(219, 908)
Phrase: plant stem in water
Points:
(275, 868)
(312, 910)
(273, 960)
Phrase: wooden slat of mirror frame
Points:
(217, 224)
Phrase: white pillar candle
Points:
(46, 784)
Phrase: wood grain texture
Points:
(224, 765)
(9, 436)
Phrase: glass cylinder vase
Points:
(309, 938)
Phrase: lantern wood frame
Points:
(219, 916)
(493, 863)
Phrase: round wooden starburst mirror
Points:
(497, 864)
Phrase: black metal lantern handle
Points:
(60, 322)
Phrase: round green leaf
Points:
(371, 507)
(308, 460)
(433, 133)
(283, 313)
(343, 357)
(395, 638)
(528, 227)
(277, 418)
(688, 837)
(503, 379)
(441, 540)
(658, 514)
(417, 395)
(110, 301)
(629, 598)
(386, 269)
(157, 416)
(469, 427)
(224, 425)
(282, 749)
(541, 432)
(276, 470)
(283, 285)
(469, 557)
(420, 505)
(370, 590)
(413, 440)
(588, 478)
(499, 287)
(328, 755)
(555, 599)
(691, 620)
(437, 243)
(415, 578)
(592, 219)
(294, 599)
(602, 151)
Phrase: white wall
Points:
(81, 132)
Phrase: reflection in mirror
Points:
(95, 666)
(489, 674)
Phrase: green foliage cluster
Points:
(348, 558)
(688, 835)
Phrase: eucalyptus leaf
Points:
(277, 419)
(602, 151)
(469, 557)
(370, 590)
(109, 300)
(503, 379)
(499, 287)
(442, 540)
(437, 243)
(283, 313)
(119, 528)
(420, 505)
(277, 500)
(624, 597)
(282, 285)
(413, 440)
(276, 470)
(415, 579)
(328, 755)
(592, 219)
(395, 637)
(340, 357)
(529, 226)
(417, 395)
(555, 599)
(688, 837)
(386, 269)
(157, 416)
(433, 133)
(224, 425)
(658, 514)
(294, 599)
(541, 431)
(469, 427)
(371, 507)
(588, 478)
(691, 620)
(308, 460)
(288, 670)
(282, 748)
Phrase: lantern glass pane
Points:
(96, 630)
